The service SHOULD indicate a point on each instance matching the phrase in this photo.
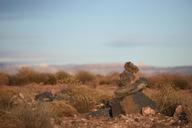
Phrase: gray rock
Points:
(44, 96)
(139, 85)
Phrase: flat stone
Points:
(135, 102)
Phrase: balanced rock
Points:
(129, 96)
(128, 75)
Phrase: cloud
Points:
(21, 36)
(126, 44)
(137, 41)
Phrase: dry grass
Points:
(85, 76)
(65, 78)
(111, 79)
(82, 97)
(4, 79)
(33, 116)
(6, 98)
(167, 99)
(27, 76)
(61, 109)
(25, 116)
(7, 120)
(180, 81)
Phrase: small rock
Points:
(136, 120)
(122, 116)
(84, 120)
(180, 115)
(146, 111)
(21, 95)
(178, 111)
(44, 96)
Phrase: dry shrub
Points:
(65, 78)
(50, 79)
(83, 98)
(37, 116)
(6, 98)
(8, 120)
(111, 79)
(62, 77)
(60, 109)
(25, 116)
(85, 76)
(180, 81)
(26, 75)
(4, 79)
(167, 99)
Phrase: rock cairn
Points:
(129, 97)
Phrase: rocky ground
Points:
(122, 121)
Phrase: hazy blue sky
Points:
(154, 32)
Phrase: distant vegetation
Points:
(179, 81)
(27, 76)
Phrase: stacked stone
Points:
(126, 80)
(128, 75)
(129, 97)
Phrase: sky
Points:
(150, 32)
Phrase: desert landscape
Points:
(95, 64)
(31, 99)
